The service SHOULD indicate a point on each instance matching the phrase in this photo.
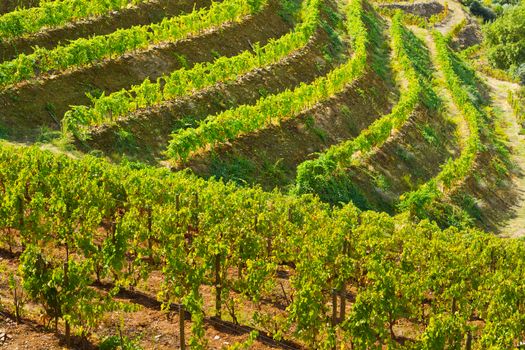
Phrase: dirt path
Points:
(456, 15)
(514, 227)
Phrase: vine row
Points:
(454, 171)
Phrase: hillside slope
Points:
(256, 174)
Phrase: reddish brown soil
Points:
(155, 329)
(27, 335)
(147, 324)
(144, 13)
(28, 107)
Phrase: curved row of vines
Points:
(55, 13)
(107, 108)
(421, 201)
(245, 119)
(326, 175)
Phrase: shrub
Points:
(504, 38)
(479, 10)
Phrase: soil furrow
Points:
(34, 105)
(142, 14)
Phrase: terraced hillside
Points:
(295, 174)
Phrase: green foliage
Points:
(3, 131)
(289, 10)
(126, 140)
(478, 9)
(115, 342)
(333, 24)
(275, 170)
(429, 134)
(309, 122)
(504, 38)
(453, 33)
(238, 169)
(62, 289)
(380, 49)
(183, 61)
(184, 225)
(381, 182)
(85, 220)
(517, 101)
(520, 73)
(48, 135)
(444, 332)
(460, 80)
(252, 337)
(412, 19)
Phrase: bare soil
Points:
(145, 322)
(33, 105)
(10, 5)
(151, 328)
(141, 14)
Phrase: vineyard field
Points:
(262, 174)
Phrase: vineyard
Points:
(259, 174)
